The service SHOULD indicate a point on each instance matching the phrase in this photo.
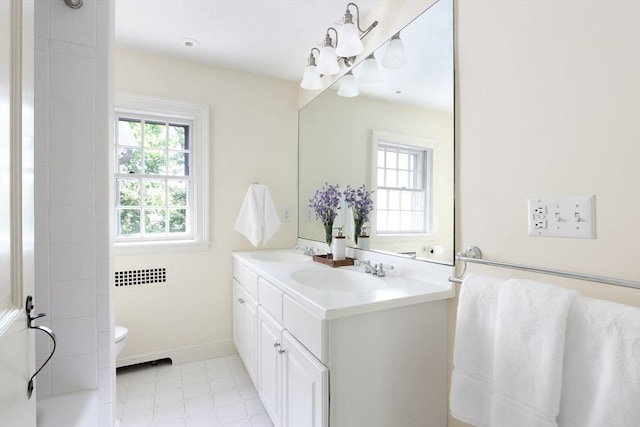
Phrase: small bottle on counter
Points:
(338, 247)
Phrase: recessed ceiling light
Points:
(190, 43)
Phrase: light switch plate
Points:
(569, 216)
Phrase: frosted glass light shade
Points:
(394, 57)
(370, 73)
(349, 43)
(348, 87)
(311, 79)
(328, 61)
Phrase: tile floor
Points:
(214, 392)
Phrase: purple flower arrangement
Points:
(360, 200)
(326, 203)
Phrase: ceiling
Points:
(274, 37)
(267, 37)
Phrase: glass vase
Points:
(358, 223)
(328, 235)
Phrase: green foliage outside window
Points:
(144, 196)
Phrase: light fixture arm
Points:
(348, 17)
(312, 59)
(328, 41)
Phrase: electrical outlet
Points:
(286, 215)
(310, 216)
(540, 224)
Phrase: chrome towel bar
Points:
(474, 255)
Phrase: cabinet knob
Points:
(276, 344)
(241, 301)
(282, 350)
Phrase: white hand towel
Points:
(472, 377)
(601, 379)
(529, 348)
(258, 218)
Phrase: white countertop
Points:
(396, 289)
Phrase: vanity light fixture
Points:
(370, 73)
(348, 46)
(350, 35)
(348, 86)
(311, 79)
(328, 60)
(394, 56)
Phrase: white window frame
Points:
(413, 142)
(198, 116)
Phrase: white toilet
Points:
(121, 338)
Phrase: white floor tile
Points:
(199, 404)
(209, 393)
(231, 413)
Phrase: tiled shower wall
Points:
(72, 236)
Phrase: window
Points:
(160, 172)
(403, 185)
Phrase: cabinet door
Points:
(244, 327)
(269, 364)
(305, 386)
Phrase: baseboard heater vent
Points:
(141, 277)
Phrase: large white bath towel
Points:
(473, 353)
(258, 218)
(601, 381)
(529, 349)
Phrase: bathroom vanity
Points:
(336, 346)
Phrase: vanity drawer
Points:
(246, 277)
(306, 327)
(270, 298)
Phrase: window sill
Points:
(129, 248)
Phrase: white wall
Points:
(253, 138)
(72, 234)
(548, 105)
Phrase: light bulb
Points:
(348, 87)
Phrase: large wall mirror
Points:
(396, 136)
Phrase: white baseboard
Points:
(183, 355)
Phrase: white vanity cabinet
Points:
(352, 367)
(292, 383)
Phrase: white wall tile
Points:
(103, 313)
(103, 240)
(75, 336)
(73, 224)
(42, 20)
(41, 223)
(73, 373)
(73, 25)
(106, 380)
(71, 129)
(104, 341)
(104, 276)
(71, 73)
(73, 299)
(71, 186)
(72, 261)
(41, 255)
(41, 186)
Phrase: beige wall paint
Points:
(253, 138)
(548, 101)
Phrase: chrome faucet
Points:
(377, 269)
(310, 251)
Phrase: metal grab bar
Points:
(474, 255)
(29, 308)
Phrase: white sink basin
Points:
(338, 280)
(280, 257)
